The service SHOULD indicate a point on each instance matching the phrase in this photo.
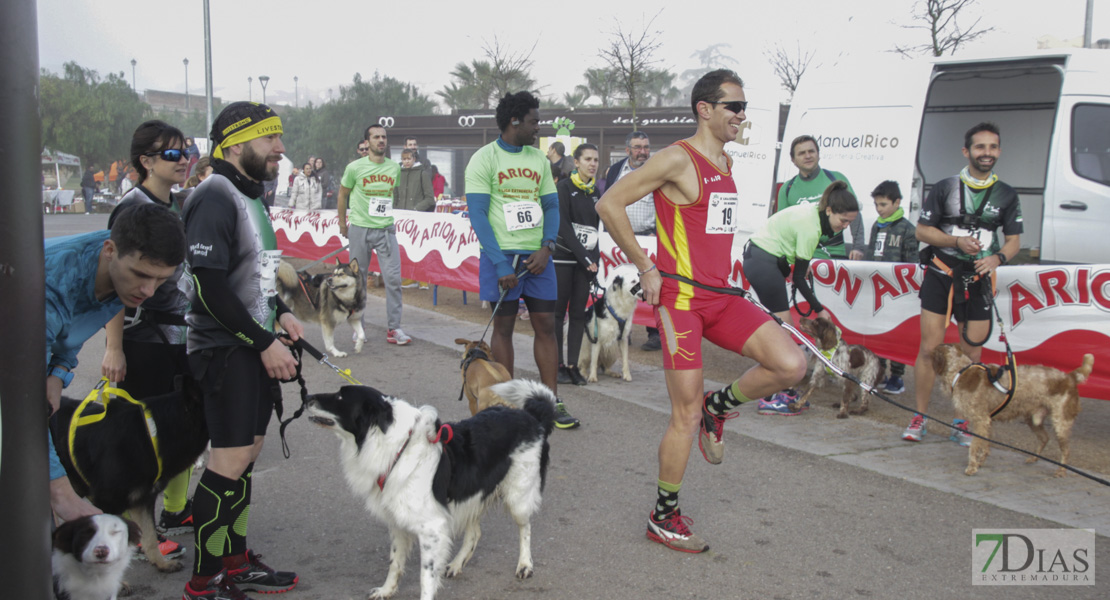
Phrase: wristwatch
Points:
(1001, 258)
(61, 373)
(550, 245)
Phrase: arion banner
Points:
(1053, 314)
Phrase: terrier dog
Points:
(854, 359)
(479, 372)
(327, 300)
(1041, 392)
(609, 326)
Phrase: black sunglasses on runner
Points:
(736, 106)
(171, 155)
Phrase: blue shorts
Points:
(541, 287)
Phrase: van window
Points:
(1090, 134)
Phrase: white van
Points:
(892, 118)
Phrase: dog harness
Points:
(438, 439)
(102, 394)
(995, 377)
(472, 355)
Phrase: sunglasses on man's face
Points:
(172, 155)
(736, 106)
(363, 149)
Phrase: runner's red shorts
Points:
(727, 321)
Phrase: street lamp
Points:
(133, 63)
(250, 88)
(186, 61)
(296, 93)
(264, 79)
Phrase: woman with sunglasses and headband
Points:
(146, 348)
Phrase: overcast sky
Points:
(324, 42)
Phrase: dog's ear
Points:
(618, 282)
(64, 536)
(461, 341)
(354, 265)
(134, 534)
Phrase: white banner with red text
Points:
(1053, 314)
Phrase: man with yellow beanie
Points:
(232, 260)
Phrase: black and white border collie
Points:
(428, 481)
(91, 555)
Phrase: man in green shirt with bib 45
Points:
(808, 186)
(367, 189)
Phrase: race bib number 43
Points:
(722, 216)
(522, 215)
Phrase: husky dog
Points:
(327, 299)
(429, 481)
(609, 326)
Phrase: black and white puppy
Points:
(428, 481)
(117, 456)
(609, 326)
(91, 555)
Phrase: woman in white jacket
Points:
(306, 194)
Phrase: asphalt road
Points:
(782, 523)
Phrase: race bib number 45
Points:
(380, 207)
(522, 215)
(722, 216)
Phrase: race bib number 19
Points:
(722, 216)
(522, 215)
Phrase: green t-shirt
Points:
(792, 233)
(810, 192)
(371, 185)
(515, 182)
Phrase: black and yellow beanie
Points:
(242, 122)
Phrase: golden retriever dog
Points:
(851, 358)
(1042, 392)
(479, 372)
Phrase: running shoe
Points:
(564, 375)
(916, 430)
(219, 587)
(176, 523)
(790, 398)
(959, 435)
(256, 576)
(894, 385)
(563, 420)
(674, 533)
(776, 407)
(169, 549)
(576, 375)
(710, 433)
(396, 336)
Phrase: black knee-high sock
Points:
(237, 534)
(212, 503)
(726, 399)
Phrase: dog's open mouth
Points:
(324, 421)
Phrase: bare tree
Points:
(510, 72)
(630, 55)
(789, 66)
(939, 17)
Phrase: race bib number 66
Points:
(522, 215)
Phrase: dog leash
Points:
(320, 260)
(299, 347)
(101, 394)
(866, 386)
(472, 355)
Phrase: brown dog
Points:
(479, 372)
(854, 359)
(1041, 392)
